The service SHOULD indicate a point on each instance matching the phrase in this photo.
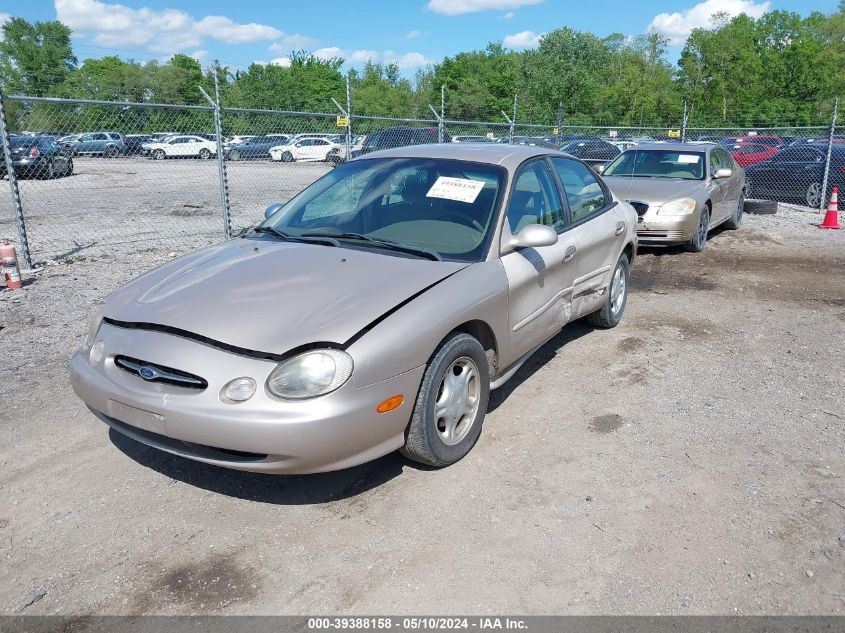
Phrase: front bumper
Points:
(669, 229)
(264, 434)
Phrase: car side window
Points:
(100, 137)
(534, 199)
(583, 191)
(725, 159)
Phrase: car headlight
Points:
(681, 206)
(310, 374)
(93, 328)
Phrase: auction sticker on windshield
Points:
(459, 189)
(688, 158)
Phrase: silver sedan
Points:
(372, 312)
(681, 191)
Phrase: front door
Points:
(540, 280)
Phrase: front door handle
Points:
(569, 254)
(620, 227)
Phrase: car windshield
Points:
(443, 206)
(654, 163)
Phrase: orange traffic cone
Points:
(831, 218)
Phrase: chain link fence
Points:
(105, 177)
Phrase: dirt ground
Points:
(689, 461)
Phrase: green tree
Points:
(34, 56)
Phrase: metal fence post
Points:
(17, 205)
(559, 121)
(513, 120)
(822, 202)
(684, 124)
(348, 121)
(509, 120)
(440, 127)
(221, 162)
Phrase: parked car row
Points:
(37, 156)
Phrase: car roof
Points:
(508, 156)
(682, 147)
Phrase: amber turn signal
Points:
(393, 402)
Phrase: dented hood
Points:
(272, 296)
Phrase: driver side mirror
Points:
(600, 168)
(722, 173)
(298, 145)
(532, 236)
(272, 209)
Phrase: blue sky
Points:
(411, 33)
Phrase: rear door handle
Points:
(620, 227)
(569, 254)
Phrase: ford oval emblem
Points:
(148, 373)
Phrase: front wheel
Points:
(287, 157)
(205, 153)
(736, 219)
(159, 154)
(234, 155)
(697, 242)
(451, 403)
(617, 298)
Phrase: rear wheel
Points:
(736, 219)
(813, 196)
(112, 151)
(49, 171)
(451, 403)
(697, 242)
(69, 167)
(617, 297)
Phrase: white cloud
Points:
(523, 39)
(292, 42)
(361, 56)
(4, 17)
(677, 26)
(161, 31)
(458, 7)
(412, 34)
(507, 16)
(199, 55)
(284, 62)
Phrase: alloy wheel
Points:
(618, 288)
(457, 401)
(814, 195)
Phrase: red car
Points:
(750, 152)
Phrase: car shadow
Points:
(266, 488)
(538, 360)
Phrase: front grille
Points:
(639, 207)
(671, 235)
(159, 373)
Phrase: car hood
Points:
(653, 190)
(272, 296)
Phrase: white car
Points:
(306, 149)
(238, 138)
(182, 146)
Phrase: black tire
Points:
(159, 154)
(287, 157)
(234, 155)
(49, 171)
(112, 151)
(699, 240)
(761, 207)
(69, 167)
(205, 153)
(735, 220)
(611, 312)
(813, 195)
(424, 437)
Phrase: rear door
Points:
(598, 230)
(540, 280)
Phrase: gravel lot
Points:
(689, 461)
(111, 206)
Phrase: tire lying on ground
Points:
(761, 207)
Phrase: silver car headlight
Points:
(310, 374)
(93, 328)
(681, 206)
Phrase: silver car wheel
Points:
(617, 290)
(703, 228)
(814, 195)
(457, 401)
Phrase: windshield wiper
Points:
(328, 240)
(387, 244)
